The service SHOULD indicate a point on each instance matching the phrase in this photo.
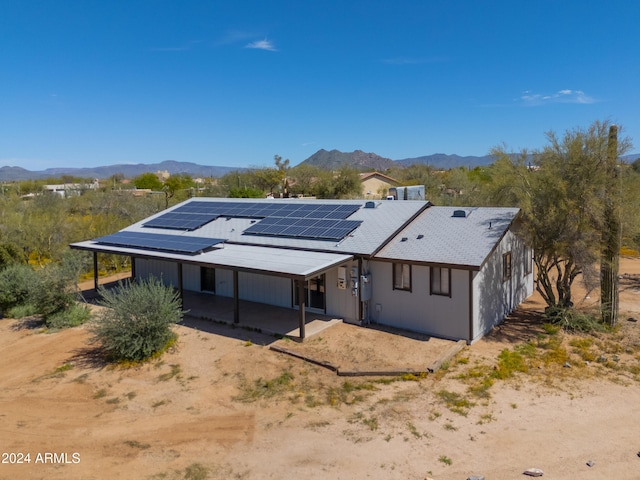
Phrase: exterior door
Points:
(208, 279)
(314, 291)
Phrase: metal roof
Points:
(273, 261)
(436, 236)
(378, 225)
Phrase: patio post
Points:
(236, 298)
(95, 270)
(180, 283)
(301, 301)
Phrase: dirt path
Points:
(222, 405)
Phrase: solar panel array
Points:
(164, 243)
(327, 229)
(264, 210)
(309, 221)
(180, 221)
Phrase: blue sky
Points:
(233, 83)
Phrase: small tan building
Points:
(375, 185)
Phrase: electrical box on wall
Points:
(342, 278)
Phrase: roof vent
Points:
(420, 237)
(404, 239)
(370, 205)
(459, 214)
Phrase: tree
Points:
(137, 321)
(174, 184)
(562, 196)
(304, 177)
(283, 169)
(148, 180)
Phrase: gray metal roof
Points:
(378, 226)
(273, 261)
(448, 240)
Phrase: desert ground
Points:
(223, 405)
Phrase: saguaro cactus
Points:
(610, 250)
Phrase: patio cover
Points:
(281, 262)
(299, 265)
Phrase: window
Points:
(527, 261)
(506, 266)
(402, 276)
(440, 281)
(207, 279)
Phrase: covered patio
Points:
(268, 319)
(297, 265)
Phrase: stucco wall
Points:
(341, 303)
(167, 271)
(495, 297)
(417, 310)
(254, 287)
(377, 186)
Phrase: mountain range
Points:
(329, 160)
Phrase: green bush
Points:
(16, 286)
(75, 315)
(53, 292)
(137, 321)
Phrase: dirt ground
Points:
(222, 405)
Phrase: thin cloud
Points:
(234, 36)
(561, 96)
(262, 45)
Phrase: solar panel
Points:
(181, 221)
(283, 221)
(195, 214)
(161, 242)
(294, 231)
(305, 228)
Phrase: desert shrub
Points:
(75, 315)
(16, 286)
(572, 320)
(53, 292)
(137, 321)
(22, 311)
(10, 254)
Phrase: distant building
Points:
(375, 185)
(163, 175)
(70, 189)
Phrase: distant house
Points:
(69, 189)
(449, 272)
(375, 185)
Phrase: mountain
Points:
(328, 160)
(442, 161)
(128, 170)
(358, 159)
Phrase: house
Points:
(71, 189)
(375, 185)
(449, 272)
